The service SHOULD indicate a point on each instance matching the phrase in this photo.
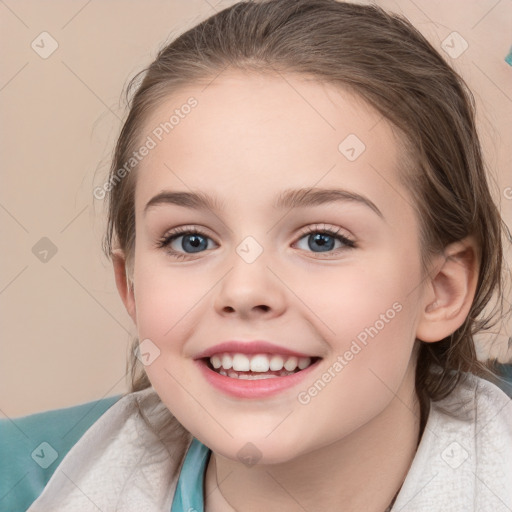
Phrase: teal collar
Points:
(189, 490)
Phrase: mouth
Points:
(257, 366)
(256, 376)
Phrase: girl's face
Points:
(335, 275)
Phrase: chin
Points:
(256, 451)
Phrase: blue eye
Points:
(192, 241)
(183, 242)
(325, 240)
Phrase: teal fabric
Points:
(31, 448)
(189, 490)
(508, 58)
(505, 372)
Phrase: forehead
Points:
(258, 133)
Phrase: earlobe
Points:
(123, 282)
(450, 291)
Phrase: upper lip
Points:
(249, 347)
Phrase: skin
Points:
(250, 138)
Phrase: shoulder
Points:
(493, 418)
(129, 459)
(504, 370)
(31, 448)
(464, 458)
(490, 400)
(478, 402)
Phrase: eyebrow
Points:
(288, 199)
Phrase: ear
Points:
(123, 282)
(449, 291)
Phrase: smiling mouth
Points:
(257, 366)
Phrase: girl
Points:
(302, 232)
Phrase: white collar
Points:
(128, 460)
(462, 464)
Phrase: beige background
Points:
(64, 332)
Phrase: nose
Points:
(250, 291)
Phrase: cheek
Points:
(371, 337)
(165, 303)
(370, 314)
(163, 298)
(352, 298)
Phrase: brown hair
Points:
(385, 60)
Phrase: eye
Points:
(320, 239)
(184, 241)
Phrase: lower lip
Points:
(260, 388)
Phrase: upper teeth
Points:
(259, 362)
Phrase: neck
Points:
(363, 471)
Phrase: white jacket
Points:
(130, 459)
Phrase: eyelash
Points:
(166, 240)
